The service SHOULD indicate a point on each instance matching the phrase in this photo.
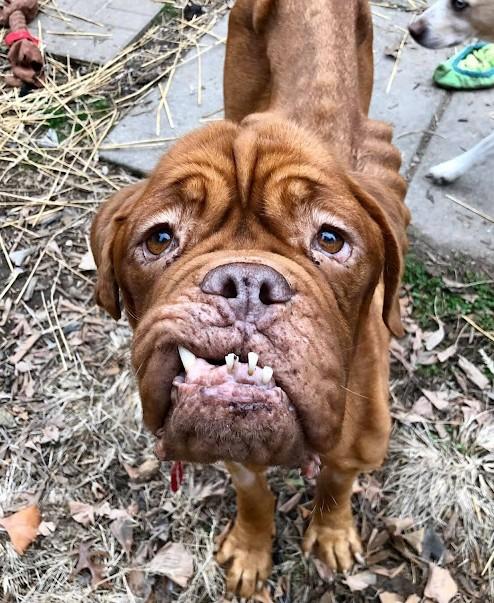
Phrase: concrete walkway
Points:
(92, 31)
(431, 125)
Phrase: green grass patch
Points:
(61, 121)
(170, 11)
(431, 297)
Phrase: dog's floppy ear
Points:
(103, 230)
(392, 217)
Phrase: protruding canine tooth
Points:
(230, 362)
(267, 374)
(252, 359)
(188, 359)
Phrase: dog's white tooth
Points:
(252, 359)
(230, 362)
(267, 374)
(187, 357)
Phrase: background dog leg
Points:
(332, 532)
(248, 545)
(451, 170)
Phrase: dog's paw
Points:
(444, 173)
(338, 548)
(249, 559)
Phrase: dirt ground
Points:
(72, 445)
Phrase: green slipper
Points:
(471, 69)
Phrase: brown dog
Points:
(275, 238)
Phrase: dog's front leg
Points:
(247, 547)
(332, 532)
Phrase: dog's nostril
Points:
(253, 285)
(266, 294)
(229, 289)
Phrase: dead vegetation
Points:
(72, 445)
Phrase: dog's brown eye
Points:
(330, 241)
(459, 5)
(159, 240)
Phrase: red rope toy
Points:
(22, 34)
(24, 53)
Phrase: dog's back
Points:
(312, 62)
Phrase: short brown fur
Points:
(298, 83)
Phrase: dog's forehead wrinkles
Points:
(245, 156)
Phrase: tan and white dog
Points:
(446, 23)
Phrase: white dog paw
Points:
(444, 173)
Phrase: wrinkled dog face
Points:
(244, 245)
(450, 22)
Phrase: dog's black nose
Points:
(417, 30)
(248, 287)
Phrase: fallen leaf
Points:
(291, 503)
(106, 510)
(415, 539)
(485, 437)
(377, 540)
(440, 585)
(18, 257)
(173, 561)
(432, 340)
(144, 472)
(397, 525)
(133, 508)
(390, 598)
(51, 433)
(423, 407)
(122, 529)
(22, 527)
(81, 512)
(460, 379)
(24, 348)
(447, 353)
(203, 491)
(139, 584)
(46, 528)
(441, 430)
(6, 419)
(87, 262)
(372, 491)
(360, 581)
(86, 561)
(378, 557)
(389, 572)
(473, 373)
(488, 361)
(438, 399)
(451, 284)
(426, 358)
